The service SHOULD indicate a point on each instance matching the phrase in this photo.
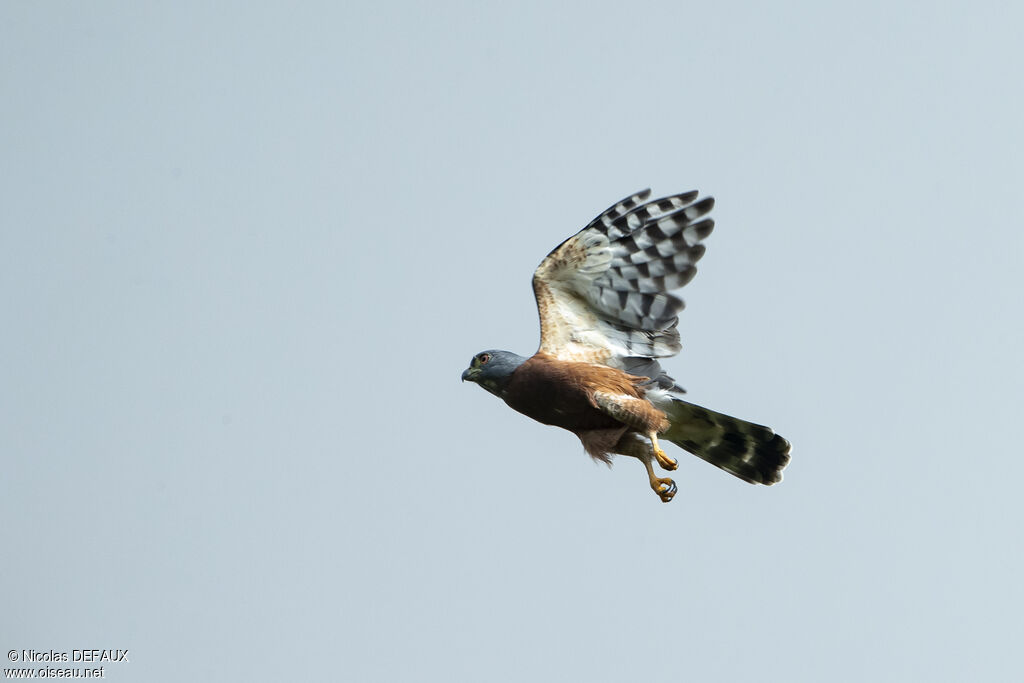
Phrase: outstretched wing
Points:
(603, 294)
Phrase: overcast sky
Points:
(246, 251)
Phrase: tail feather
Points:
(754, 453)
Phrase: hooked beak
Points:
(470, 374)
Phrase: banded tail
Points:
(754, 453)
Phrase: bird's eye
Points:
(483, 358)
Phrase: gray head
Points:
(492, 370)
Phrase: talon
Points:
(666, 489)
(667, 462)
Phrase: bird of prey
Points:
(606, 316)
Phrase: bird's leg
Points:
(633, 444)
(667, 462)
(664, 487)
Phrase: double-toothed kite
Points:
(605, 317)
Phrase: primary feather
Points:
(603, 293)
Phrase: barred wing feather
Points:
(603, 294)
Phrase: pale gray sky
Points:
(247, 250)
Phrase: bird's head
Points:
(492, 370)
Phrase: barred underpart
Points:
(634, 412)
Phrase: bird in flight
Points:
(606, 316)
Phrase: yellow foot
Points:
(665, 488)
(666, 462)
